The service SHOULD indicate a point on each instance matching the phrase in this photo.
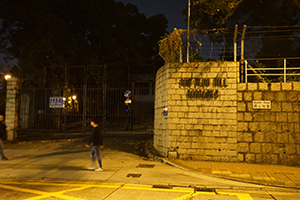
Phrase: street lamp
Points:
(7, 76)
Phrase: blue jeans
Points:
(95, 150)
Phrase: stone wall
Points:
(269, 135)
(201, 99)
(202, 112)
(161, 136)
(12, 107)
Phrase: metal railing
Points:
(263, 72)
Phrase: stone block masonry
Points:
(203, 113)
(272, 135)
(12, 107)
(201, 99)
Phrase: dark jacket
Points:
(96, 137)
(2, 131)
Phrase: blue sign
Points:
(165, 112)
(56, 102)
(127, 94)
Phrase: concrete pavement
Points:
(67, 160)
(271, 175)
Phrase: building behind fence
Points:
(62, 101)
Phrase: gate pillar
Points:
(12, 107)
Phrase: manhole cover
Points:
(145, 166)
(134, 175)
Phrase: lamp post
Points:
(188, 33)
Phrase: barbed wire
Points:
(217, 43)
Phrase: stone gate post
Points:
(12, 107)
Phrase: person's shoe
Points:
(99, 170)
(90, 168)
(4, 158)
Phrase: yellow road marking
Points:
(45, 194)
(188, 196)
(23, 189)
(60, 194)
(68, 184)
(84, 185)
(241, 196)
(156, 189)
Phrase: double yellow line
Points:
(189, 192)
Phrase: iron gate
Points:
(88, 92)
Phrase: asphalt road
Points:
(54, 170)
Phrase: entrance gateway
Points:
(211, 116)
(201, 99)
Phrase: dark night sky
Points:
(170, 8)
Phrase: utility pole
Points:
(188, 33)
(235, 43)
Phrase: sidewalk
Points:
(263, 174)
(39, 154)
(273, 175)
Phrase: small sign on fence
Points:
(261, 104)
(56, 102)
(127, 94)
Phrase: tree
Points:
(207, 14)
(42, 33)
(273, 24)
(266, 13)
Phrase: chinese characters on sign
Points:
(56, 102)
(261, 104)
(198, 83)
(202, 82)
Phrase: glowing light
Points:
(7, 76)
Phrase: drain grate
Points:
(204, 189)
(145, 166)
(134, 175)
(162, 186)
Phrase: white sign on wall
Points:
(261, 104)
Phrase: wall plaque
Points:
(261, 104)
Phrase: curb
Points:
(153, 154)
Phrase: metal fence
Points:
(266, 53)
(271, 54)
(204, 45)
(272, 70)
(241, 42)
(88, 92)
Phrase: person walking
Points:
(2, 136)
(97, 140)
